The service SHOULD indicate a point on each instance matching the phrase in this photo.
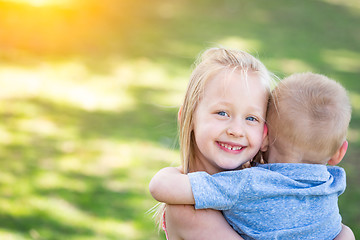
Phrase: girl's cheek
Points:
(259, 133)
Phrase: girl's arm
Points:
(345, 234)
(184, 222)
(169, 185)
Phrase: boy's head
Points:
(308, 115)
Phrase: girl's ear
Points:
(265, 141)
(179, 113)
(339, 155)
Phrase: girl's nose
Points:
(235, 130)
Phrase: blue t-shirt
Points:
(275, 201)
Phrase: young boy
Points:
(295, 195)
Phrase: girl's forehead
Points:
(236, 90)
(234, 80)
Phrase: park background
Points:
(89, 93)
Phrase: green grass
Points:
(90, 91)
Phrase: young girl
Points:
(221, 126)
(223, 82)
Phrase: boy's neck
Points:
(290, 156)
(282, 157)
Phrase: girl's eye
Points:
(222, 113)
(252, 119)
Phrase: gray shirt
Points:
(275, 201)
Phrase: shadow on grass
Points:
(32, 154)
(49, 227)
(145, 121)
(99, 204)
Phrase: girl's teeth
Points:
(230, 147)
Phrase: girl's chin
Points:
(228, 167)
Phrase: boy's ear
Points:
(339, 155)
(265, 142)
(179, 113)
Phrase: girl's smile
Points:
(231, 148)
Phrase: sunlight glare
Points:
(66, 83)
(290, 66)
(5, 135)
(113, 156)
(50, 180)
(355, 101)
(342, 60)
(248, 45)
(9, 235)
(40, 126)
(74, 83)
(59, 209)
(67, 212)
(351, 4)
(42, 3)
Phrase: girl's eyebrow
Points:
(252, 107)
(256, 108)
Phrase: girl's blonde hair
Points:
(211, 62)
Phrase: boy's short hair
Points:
(310, 113)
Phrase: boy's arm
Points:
(184, 222)
(345, 234)
(169, 185)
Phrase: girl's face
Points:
(229, 121)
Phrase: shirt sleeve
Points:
(219, 191)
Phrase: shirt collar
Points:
(299, 171)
